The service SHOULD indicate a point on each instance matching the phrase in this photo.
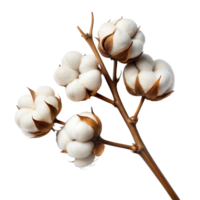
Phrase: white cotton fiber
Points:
(71, 125)
(88, 114)
(26, 101)
(53, 101)
(27, 134)
(136, 49)
(44, 112)
(147, 79)
(19, 114)
(88, 62)
(106, 29)
(127, 25)
(91, 79)
(165, 81)
(83, 162)
(77, 149)
(83, 132)
(62, 139)
(26, 121)
(121, 41)
(140, 36)
(75, 91)
(64, 75)
(45, 90)
(145, 63)
(72, 60)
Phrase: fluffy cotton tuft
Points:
(77, 149)
(72, 59)
(88, 63)
(75, 91)
(62, 76)
(92, 79)
(25, 101)
(84, 162)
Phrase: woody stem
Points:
(99, 96)
(138, 109)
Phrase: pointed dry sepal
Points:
(32, 94)
(98, 149)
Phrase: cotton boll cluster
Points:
(37, 112)
(79, 75)
(78, 138)
(152, 79)
(121, 40)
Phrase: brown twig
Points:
(99, 96)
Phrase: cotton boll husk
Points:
(45, 90)
(130, 74)
(62, 139)
(145, 63)
(26, 101)
(70, 126)
(27, 134)
(26, 121)
(83, 132)
(75, 91)
(165, 81)
(106, 29)
(88, 62)
(121, 41)
(147, 79)
(53, 101)
(136, 49)
(77, 149)
(19, 114)
(140, 36)
(91, 80)
(83, 162)
(64, 75)
(44, 112)
(127, 25)
(72, 59)
(88, 114)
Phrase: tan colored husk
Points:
(151, 94)
(44, 127)
(106, 45)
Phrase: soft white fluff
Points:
(44, 112)
(26, 101)
(140, 36)
(106, 29)
(70, 126)
(88, 62)
(83, 132)
(145, 63)
(75, 91)
(127, 25)
(45, 90)
(26, 121)
(77, 149)
(136, 49)
(62, 139)
(121, 41)
(27, 134)
(88, 114)
(64, 75)
(91, 79)
(19, 114)
(83, 162)
(130, 74)
(72, 60)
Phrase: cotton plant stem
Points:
(141, 149)
(99, 96)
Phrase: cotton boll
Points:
(165, 81)
(53, 101)
(136, 49)
(91, 80)
(26, 121)
(19, 114)
(62, 139)
(140, 36)
(27, 134)
(45, 90)
(121, 41)
(72, 60)
(83, 132)
(44, 112)
(75, 91)
(88, 62)
(64, 75)
(26, 101)
(77, 149)
(145, 63)
(70, 126)
(127, 25)
(106, 29)
(147, 79)
(83, 162)
(40, 100)
(88, 114)
(130, 74)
